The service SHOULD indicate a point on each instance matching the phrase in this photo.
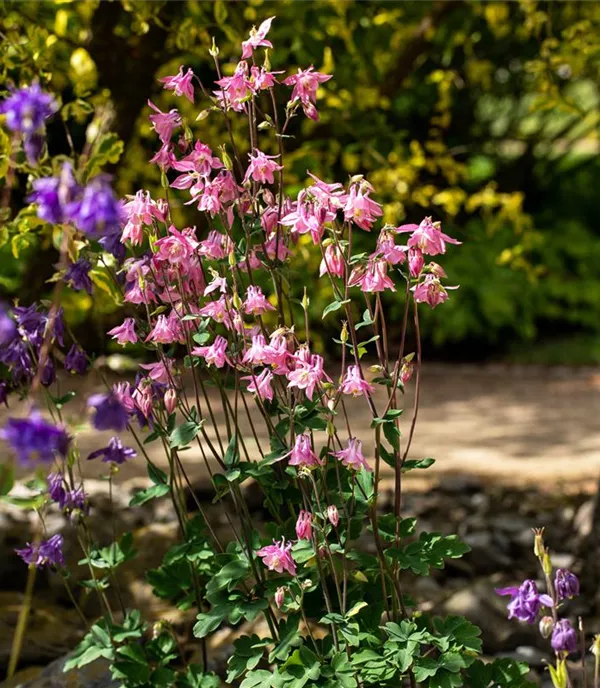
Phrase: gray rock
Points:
(94, 675)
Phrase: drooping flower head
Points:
(46, 553)
(109, 412)
(427, 237)
(54, 195)
(76, 361)
(352, 456)
(33, 439)
(164, 123)
(277, 557)
(181, 84)
(215, 354)
(125, 332)
(525, 601)
(98, 212)
(262, 167)
(302, 454)
(333, 515)
(305, 84)
(431, 291)
(354, 383)
(78, 277)
(256, 302)
(566, 584)
(64, 497)
(261, 385)
(564, 637)
(115, 452)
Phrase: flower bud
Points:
(231, 259)
(304, 525)
(546, 626)
(566, 584)
(330, 428)
(305, 300)
(170, 399)
(333, 515)
(213, 50)
(344, 333)
(595, 648)
(279, 596)
(539, 548)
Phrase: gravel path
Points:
(513, 425)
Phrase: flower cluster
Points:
(526, 602)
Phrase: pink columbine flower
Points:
(431, 291)
(273, 244)
(162, 332)
(213, 246)
(352, 456)
(261, 79)
(277, 557)
(256, 353)
(177, 247)
(361, 209)
(372, 278)
(304, 525)
(333, 515)
(159, 372)
(389, 251)
(261, 385)
(219, 283)
(278, 354)
(332, 261)
(215, 354)
(235, 90)
(257, 38)
(200, 161)
(307, 374)
(139, 211)
(406, 370)
(181, 83)
(262, 167)
(354, 383)
(125, 332)
(427, 237)
(164, 123)
(302, 454)
(256, 303)
(218, 310)
(164, 157)
(122, 392)
(305, 84)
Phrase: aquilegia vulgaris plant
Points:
(219, 306)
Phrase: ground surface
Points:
(513, 425)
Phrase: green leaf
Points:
(333, 306)
(411, 464)
(210, 621)
(108, 149)
(257, 679)
(7, 478)
(229, 576)
(59, 402)
(184, 434)
(289, 637)
(149, 493)
(232, 454)
(220, 11)
(248, 651)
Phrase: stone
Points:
(94, 675)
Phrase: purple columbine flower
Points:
(17, 357)
(66, 499)
(34, 439)
(77, 275)
(564, 637)
(115, 452)
(8, 327)
(26, 109)
(526, 601)
(54, 195)
(98, 212)
(109, 414)
(76, 361)
(48, 375)
(566, 584)
(46, 553)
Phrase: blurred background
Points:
(482, 114)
